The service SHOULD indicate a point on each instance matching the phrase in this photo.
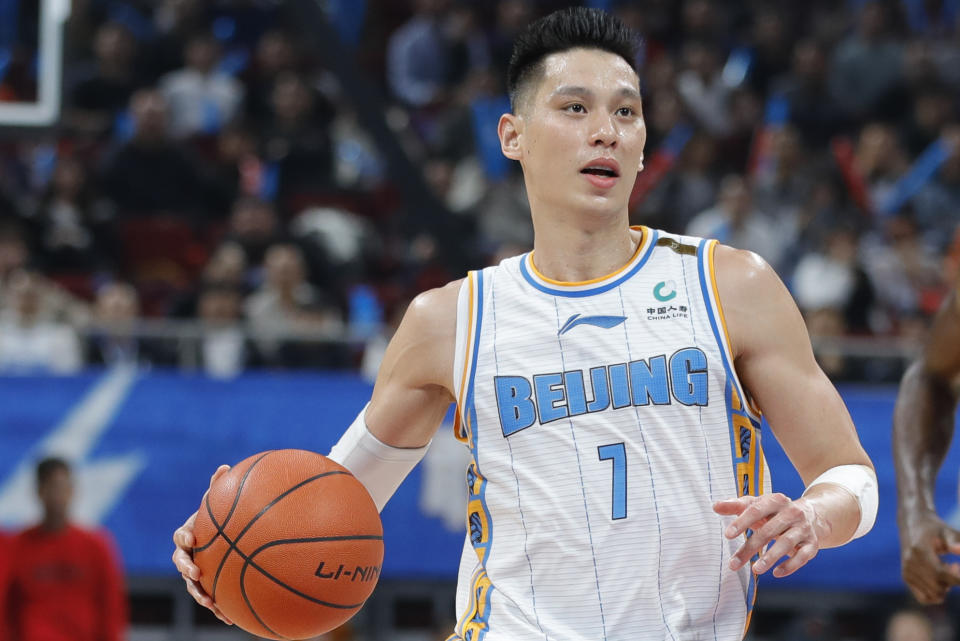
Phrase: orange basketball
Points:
(289, 544)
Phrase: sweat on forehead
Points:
(567, 73)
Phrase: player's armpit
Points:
(413, 390)
(775, 362)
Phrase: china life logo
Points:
(665, 291)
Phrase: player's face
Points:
(56, 492)
(580, 135)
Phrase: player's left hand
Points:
(771, 517)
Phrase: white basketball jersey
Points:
(604, 419)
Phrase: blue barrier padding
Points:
(181, 427)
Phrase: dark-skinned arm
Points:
(923, 424)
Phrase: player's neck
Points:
(585, 250)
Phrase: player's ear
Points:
(509, 129)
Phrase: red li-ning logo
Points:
(362, 573)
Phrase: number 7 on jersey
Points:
(617, 452)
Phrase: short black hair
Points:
(48, 466)
(563, 30)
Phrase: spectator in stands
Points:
(938, 202)
(114, 340)
(812, 109)
(879, 159)
(175, 21)
(296, 141)
(812, 626)
(254, 226)
(236, 169)
(104, 92)
(287, 303)
(702, 88)
(702, 20)
(31, 339)
(739, 145)
(931, 109)
(909, 625)
(202, 98)
(512, 16)
(376, 345)
(503, 215)
(771, 42)
(152, 174)
(228, 265)
(275, 55)
(75, 228)
(783, 181)
(14, 255)
(419, 55)
(832, 278)
(688, 190)
(223, 350)
(867, 64)
(735, 222)
(66, 581)
(904, 272)
(6, 561)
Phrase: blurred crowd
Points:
(215, 162)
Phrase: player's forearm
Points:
(922, 431)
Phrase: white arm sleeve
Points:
(380, 467)
(861, 481)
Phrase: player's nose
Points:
(604, 131)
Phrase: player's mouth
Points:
(602, 172)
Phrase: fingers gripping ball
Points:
(289, 544)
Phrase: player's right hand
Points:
(924, 538)
(184, 541)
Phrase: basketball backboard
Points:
(31, 61)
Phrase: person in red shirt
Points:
(65, 583)
(4, 582)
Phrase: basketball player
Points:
(922, 431)
(609, 386)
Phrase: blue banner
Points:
(145, 444)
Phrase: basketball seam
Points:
(317, 539)
(233, 547)
(236, 500)
(246, 599)
(248, 560)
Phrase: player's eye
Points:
(626, 112)
(576, 108)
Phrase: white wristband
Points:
(380, 467)
(861, 481)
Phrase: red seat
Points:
(163, 257)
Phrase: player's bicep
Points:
(941, 354)
(412, 391)
(776, 364)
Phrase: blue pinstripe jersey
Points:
(604, 418)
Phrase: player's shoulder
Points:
(437, 301)
(754, 300)
(434, 312)
(742, 270)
